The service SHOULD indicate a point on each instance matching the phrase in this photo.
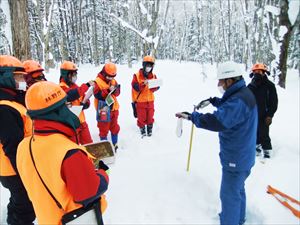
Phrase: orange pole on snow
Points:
(284, 199)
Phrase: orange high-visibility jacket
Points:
(76, 102)
(146, 94)
(48, 163)
(6, 169)
(103, 85)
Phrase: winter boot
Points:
(267, 154)
(116, 147)
(143, 131)
(149, 129)
(103, 138)
(114, 140)
(258, 150)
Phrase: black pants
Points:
(19, 209)
(263, 137)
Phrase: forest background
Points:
(204, 31)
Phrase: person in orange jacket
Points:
(14, 126)
(57, 172)
(75, 95)
(34, 72)
(107, 111)
(144, 96)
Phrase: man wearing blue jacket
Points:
(236, 121)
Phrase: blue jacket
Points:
(236, 121)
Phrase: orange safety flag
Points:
(284, 199)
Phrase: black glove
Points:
(184, 115)
(102, 166)
(213, 100)
(86, 105)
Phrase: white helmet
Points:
(228, 69)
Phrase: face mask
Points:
(221, 89)
(74, 79)
(148, 69)
(257, 76)
(22, 86)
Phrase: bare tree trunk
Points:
(63, 42)
(46, 29)
(229, 30)
(223, 29)
(183, 39)
(247, 45)
(161, 30)
(285, 21)
(20, 29)
(94, 35)
(259, 51)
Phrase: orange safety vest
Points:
(103, 85)
(6, 169)
(48, 163)
(75, 102)
(146, 95)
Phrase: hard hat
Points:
(228, 69)
(259, 66)
(68, 65)
(10, 65)
(7, 61)
(110, 69)
(149, 59)
(31, 66)
(44, 96)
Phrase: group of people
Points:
(242, 118)
(35, 112)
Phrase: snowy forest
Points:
(204, 31)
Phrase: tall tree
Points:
(290, 29)
(19, 27)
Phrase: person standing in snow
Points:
(267, 102)
(143, 97)
(75, 95)
(34, 72)
(14, 126)
(236, 121)
(57, 172)
(106, 92)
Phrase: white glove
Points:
(111, 88)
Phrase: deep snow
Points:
(149, 183)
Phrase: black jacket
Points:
(266, 96)
(11, 124)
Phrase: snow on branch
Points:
(272, 9)
(142, 34)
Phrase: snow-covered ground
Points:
(149, 183)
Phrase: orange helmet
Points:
(67, 65)
(11, 62)
(110, 69)
(259, 66)
(31, 66)
(148, 59)
(44, 96)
